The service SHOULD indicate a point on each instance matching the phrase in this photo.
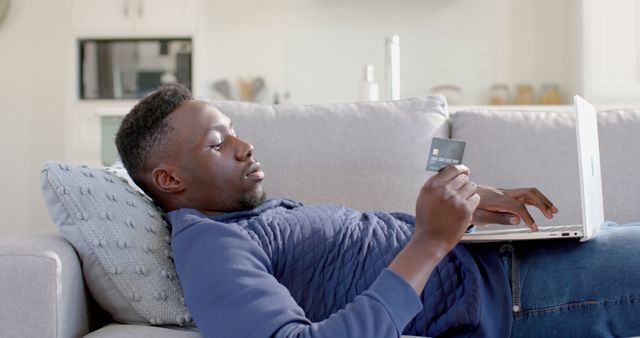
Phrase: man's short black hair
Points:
(144, 132)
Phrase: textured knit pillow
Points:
(122, 240)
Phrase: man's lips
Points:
(254, 171)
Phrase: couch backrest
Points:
(525, 148)
(369, 156)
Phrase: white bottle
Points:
(393, 67)
(368, 87)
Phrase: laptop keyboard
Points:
(561, 228)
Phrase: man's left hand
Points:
(508, 206)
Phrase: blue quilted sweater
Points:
(288, 270)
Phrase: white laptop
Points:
(590, 189)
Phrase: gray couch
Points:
(365, 155)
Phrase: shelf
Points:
(540, 107)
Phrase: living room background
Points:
(313, 50)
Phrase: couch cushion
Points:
(533, 148)
(122, 240)
(367, 155)
(41, 279)
(137, 331)
(140, 331)
(619, 132)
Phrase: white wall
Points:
(32, 68)
(544, 37)
(243, 39)
(317, 49)
(441, 42)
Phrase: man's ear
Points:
(165, 179)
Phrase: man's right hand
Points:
(445, 207)
(444, 210)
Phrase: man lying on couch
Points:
(252, 267)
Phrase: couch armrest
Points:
(42, 291)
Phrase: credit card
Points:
(444, 152)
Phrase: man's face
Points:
(216, 168)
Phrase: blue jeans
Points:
(564, 288)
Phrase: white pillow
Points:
(122, 240)
(517, 149)
(539, 149)
(367, 155)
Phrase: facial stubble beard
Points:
(252, 200)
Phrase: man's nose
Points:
(244, 150)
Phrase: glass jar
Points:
(524, 94)
(550, 94)
(499, 94)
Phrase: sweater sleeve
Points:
(231, 292)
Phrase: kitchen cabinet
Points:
(120, 20)
(124, 18)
